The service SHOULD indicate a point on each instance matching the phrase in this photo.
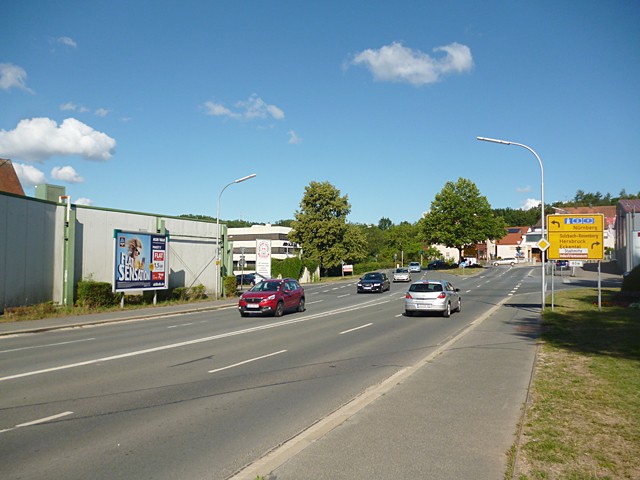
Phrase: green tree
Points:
(518, 217)
(320, 225)
(404, 241)
(375, 240)
(355, 245)
(283, 223)
(384, 223)
(460, 217)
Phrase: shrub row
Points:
(91, 294)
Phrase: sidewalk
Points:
(454, 417)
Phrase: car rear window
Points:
(425, 287)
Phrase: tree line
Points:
(459, 217)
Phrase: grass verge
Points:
(51, 310)
(583, 421)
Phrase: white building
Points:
(244, 245)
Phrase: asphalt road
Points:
(203, 395)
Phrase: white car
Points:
(505, 261)
(415, 267)
(401, 275)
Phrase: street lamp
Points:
(506, 142)
(218, 228)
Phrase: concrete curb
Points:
(129, 318)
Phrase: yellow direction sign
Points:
(578, 237)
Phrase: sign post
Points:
(577, 237)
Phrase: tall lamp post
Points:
(218, 229)
(506, 142)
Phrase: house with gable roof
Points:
(9, 181)
(511, 245)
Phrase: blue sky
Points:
(156, 106)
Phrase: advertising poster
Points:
(140, 261)
(263, 259)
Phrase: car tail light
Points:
(408, 295)
(442, 295)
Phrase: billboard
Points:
(140, 261)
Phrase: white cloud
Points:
(28, 175)
(66, 174)
(13, 76)
(36, 139)
(218, 110)
(275, 112)
(70, 106)
(397, 63)
(523, 189)
(530, 203)
(70, 42)
(252, 108)
(83, 201)
(294, 139)
(102, 112)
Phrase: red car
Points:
(272, 297)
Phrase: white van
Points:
(414, 267)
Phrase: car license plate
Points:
(252, 305)
(424, 305)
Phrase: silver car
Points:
(432, 296)
(401, 275)
(505, 261)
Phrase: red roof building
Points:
(9, 181)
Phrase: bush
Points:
(287, 268)
(230, 286)
(161, 295)
(309, 264)
(631, 281)
(95, 294)
(190, 293)
(360, 268)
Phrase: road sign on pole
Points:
(576, 237)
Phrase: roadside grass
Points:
(51, 310)
(583, 419)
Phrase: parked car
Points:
(246, 279)
(415, 267)
(374, 282)
(562, 264)
(401, 275)
(272, 297)
(432, 296)
(505, 261)
(437, 265)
